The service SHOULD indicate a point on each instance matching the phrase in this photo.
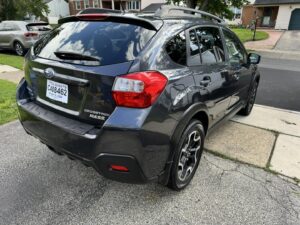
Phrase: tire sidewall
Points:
(175, 182)
(249, 109)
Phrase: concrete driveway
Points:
(39, 187)
(289, 41)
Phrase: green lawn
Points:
(247, 34)
(12, 60)
(8, 109)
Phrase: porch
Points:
(267, 16)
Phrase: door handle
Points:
(206, 80)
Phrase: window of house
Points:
(78, 5)
(176, 49)
(236, 52)
(96, 4)
(133, 5)
(86, 4)
(211, 45)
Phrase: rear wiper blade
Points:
(75, 56)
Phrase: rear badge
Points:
(97, 115)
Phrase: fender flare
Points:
(181, 125)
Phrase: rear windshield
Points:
(38, 28)
(107, 42)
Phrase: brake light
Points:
(119, 168)
(96, 16)
(138, 90)
(31, 34)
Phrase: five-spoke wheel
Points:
(187, 156)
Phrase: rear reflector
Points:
(119, 168)
(138, 90)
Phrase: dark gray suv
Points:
(135, 95)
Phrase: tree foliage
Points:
(18, 9)
(217, 7)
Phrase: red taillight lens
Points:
(138, 90)
(119, 168)
(31, 34)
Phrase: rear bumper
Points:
(143, 152)
(28, 43)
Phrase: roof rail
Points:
(169, 11)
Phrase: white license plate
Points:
(57, 91)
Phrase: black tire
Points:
(249, 106)
(19, 49)
(187, 158)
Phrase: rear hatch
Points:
(73, 68)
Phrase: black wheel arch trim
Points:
(186, 117)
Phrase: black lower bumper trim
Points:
(134, 174)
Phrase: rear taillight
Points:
(31, 34)
(138, 90)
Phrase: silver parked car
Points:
(21, 35)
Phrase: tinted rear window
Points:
(109, 42)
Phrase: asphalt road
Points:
(280, 84)
(39, 187)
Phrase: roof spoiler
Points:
(130, 19)
(37, 24)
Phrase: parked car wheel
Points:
(20, 50)
(187, 156)
(248, 108)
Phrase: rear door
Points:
(74, 66)
(238, 69)
(206, 59)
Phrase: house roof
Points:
(276, 2)
(153, 7)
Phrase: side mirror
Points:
(254, 58)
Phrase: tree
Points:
(218, 7)
(18, 9)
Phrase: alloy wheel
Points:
(189, 155)
(19, 49)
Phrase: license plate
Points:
(57, 91)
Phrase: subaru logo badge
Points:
(49, 73)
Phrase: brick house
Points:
(132, 5)
(278, 14)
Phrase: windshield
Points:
(109, 42)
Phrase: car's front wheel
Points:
(249, 106)
(187, 156)
(19, 49)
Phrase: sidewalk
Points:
(275, 47)
(269, 138)
(11, 74)
(269, 43)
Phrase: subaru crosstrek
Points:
(134, 96)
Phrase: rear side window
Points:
(107, 42)
(176, 49)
